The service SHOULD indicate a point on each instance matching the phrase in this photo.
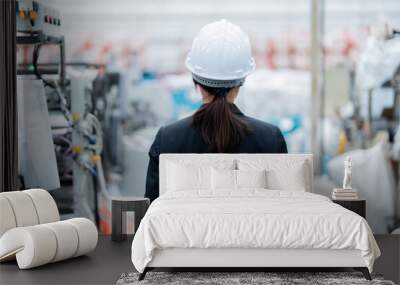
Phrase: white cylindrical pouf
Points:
(7, 218)
(34, 246)
(41, 244)
(23, 208)
(45, 205)
(40, 247)
(67, 239)
(87, 233)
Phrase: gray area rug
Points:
(269, 278)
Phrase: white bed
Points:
(206, 226)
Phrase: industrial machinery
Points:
(36, 17)
(57, 117)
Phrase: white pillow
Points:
(223, 179)
(251, 178)
(282, 174)
(236, 179)
(188, 177)
(292, 179)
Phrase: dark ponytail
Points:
(221, 128)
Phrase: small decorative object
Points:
(346, 192)
(120, 207)
(347, 173)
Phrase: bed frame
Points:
(242, 259)
(249, 259)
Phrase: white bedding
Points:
(250, 218)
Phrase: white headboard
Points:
(214, 158)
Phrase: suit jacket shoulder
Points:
(181, 137)
(264, 137)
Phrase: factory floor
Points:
(111, 259)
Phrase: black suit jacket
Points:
(181, 137)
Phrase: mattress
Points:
(251, 219)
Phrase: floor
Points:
(110, 260)
(389, 262)
(103, 266)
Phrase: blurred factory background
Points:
(97, 78)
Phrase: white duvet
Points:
(250, 219)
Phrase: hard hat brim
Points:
(236, 75)
(218, 83)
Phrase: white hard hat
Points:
(220, 55)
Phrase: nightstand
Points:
(119, 207)
(357, 206)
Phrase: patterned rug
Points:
(269, 278)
